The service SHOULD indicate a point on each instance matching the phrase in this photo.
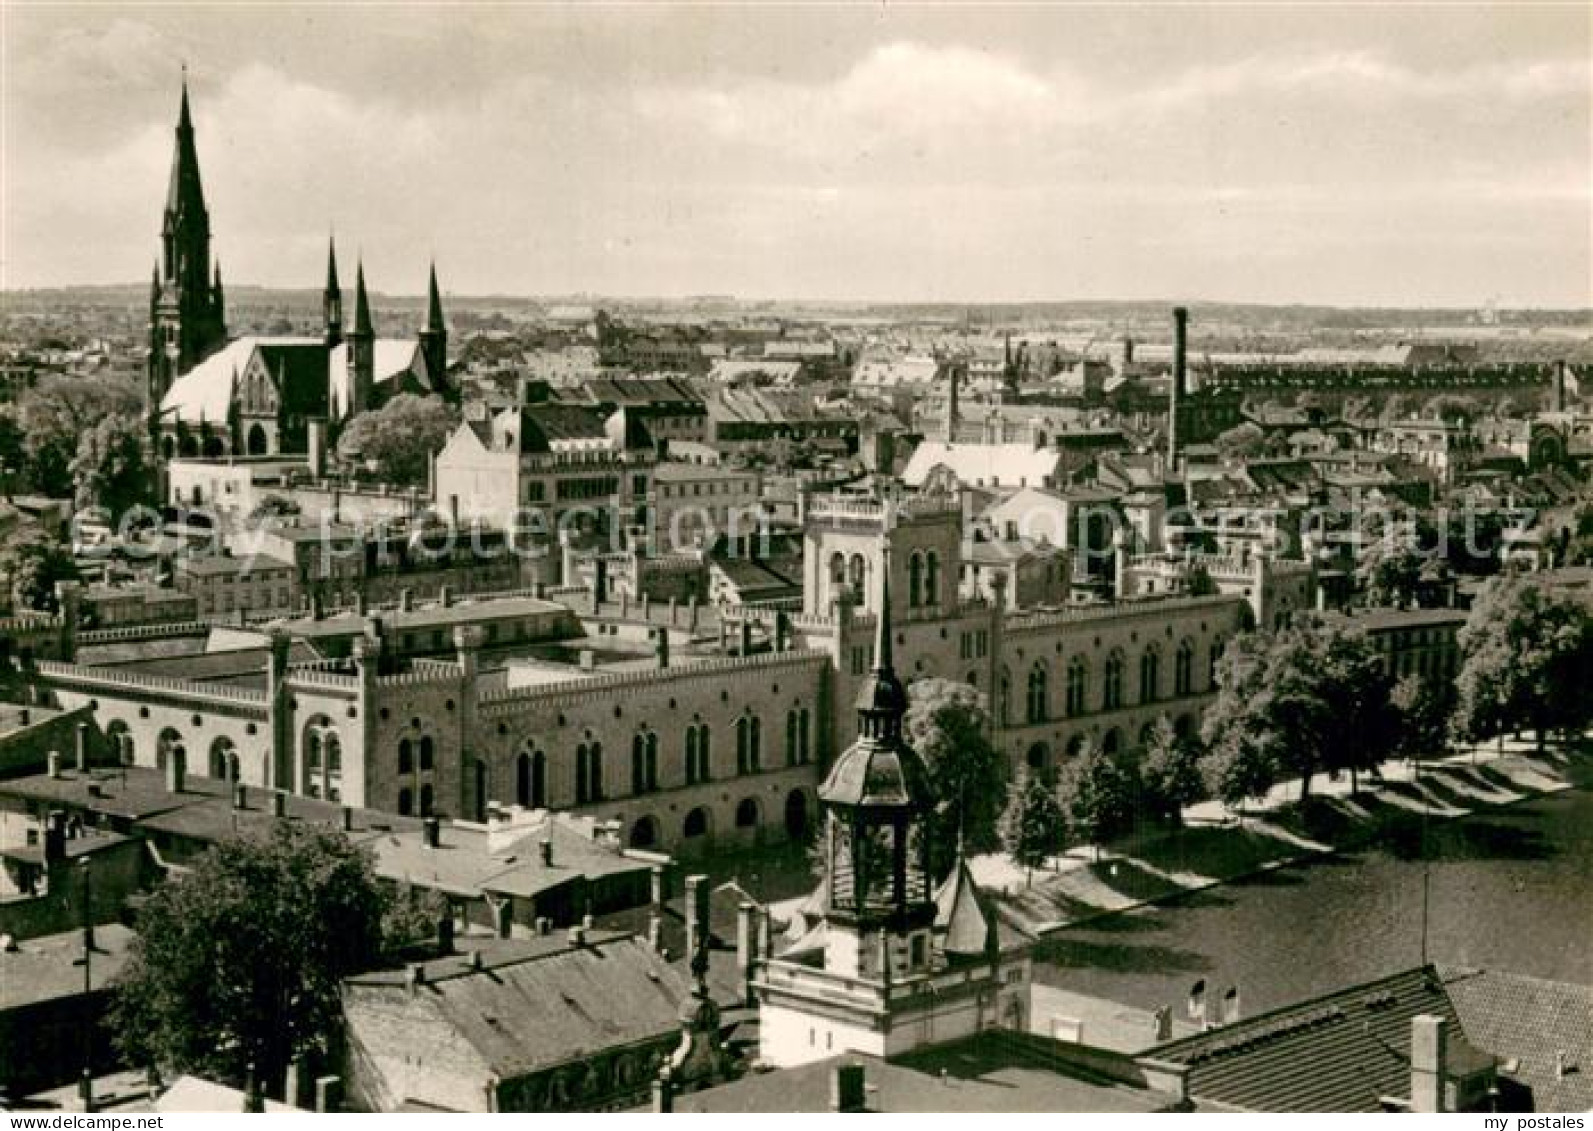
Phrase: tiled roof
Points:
(44, 968)
(559, 1004)
(1529, 1023)
(1344, 1051)
(995, 465)
(974, 1075)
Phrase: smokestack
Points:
(1177, 387)
(1428, 1063)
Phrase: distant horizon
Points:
(590, 298)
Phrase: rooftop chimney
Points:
(431, 833)
(545, 847)
(696, 914)
(1428, 1060)
(663, 1094)
(848, 1091)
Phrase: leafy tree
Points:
(239, 960)
(33, 562)
(1421, 710)
(1096, 794)
(1354, 688)
(1390, 572)
(56, 413)
(949, 725)
(1526, 661)
(1242, 761)
(274, 506)
(400, 436)
(1170, 773)
(1033, 828)
(112, 468)
(1242, 441)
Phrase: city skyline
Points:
(1349, 156)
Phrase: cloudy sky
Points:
(1382, 153)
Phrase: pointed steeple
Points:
(185, 196)
(434, 314)
(362, 306)
(882, 632)
(332, 286)
(154, 284)
(332, 297)
(434, 338)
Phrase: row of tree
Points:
(1313, 699)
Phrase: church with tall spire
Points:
(211, 396)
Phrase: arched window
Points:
(1112, 743)
(792, 725)
(699, 767)
(583, 786)
(696, 824)
(743, 728)
(691, 755)
(1036, 702)
(1112, 688)
(594, 772)
(1150, 670)
(747, 814)
(425, 800)
(427, 754)
(755, 747)
(837, 568)
(915, 581)
(932, 579)
(1078, 685)
(804, 751)
(332, 750)
(858, 572)
(406, 756)
(522, 780)
(310, 774)
(644, 762)
(1184, 669)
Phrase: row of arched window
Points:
(412, 751)
(1076, 685)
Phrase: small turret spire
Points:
(882, 632)
(362, 306)
(434, 314)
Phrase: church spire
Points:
(362, 305)
(434, 314)
(185, 195)
(332, 297)
(434, 337)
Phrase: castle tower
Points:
(187, 320)
(332, 299)
(362, 348)
(896, 964)
(434, 338)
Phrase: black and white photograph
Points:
(723, 557)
